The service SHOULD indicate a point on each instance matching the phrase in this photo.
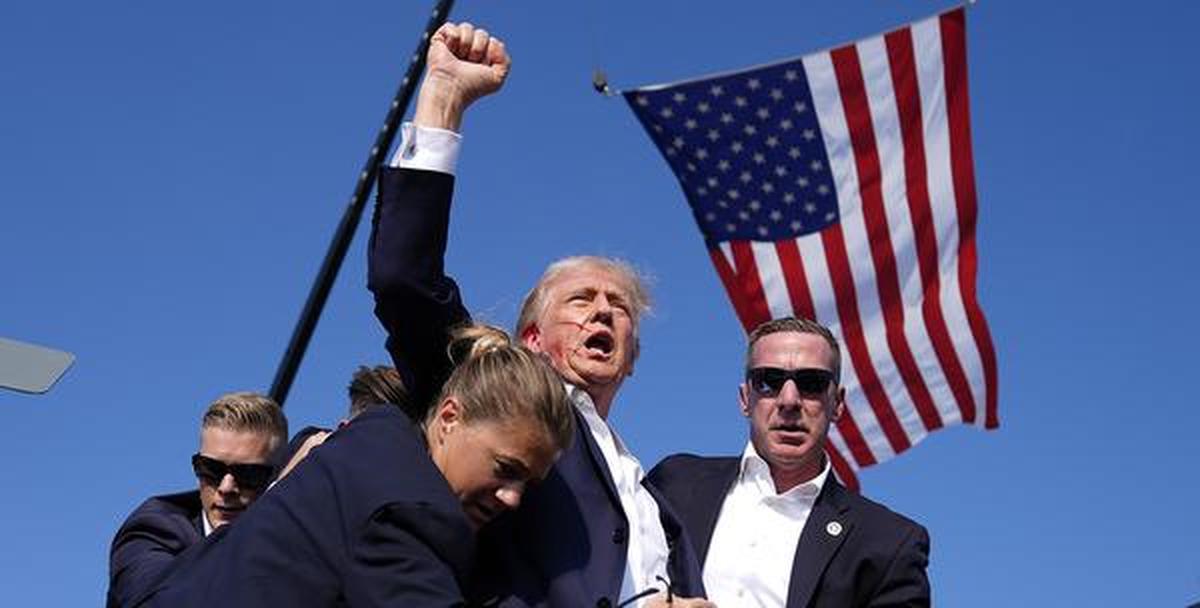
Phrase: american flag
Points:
(840, 187)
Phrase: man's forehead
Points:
(221, 441)
(792, 347)
(590, 276)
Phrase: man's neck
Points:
(788, 478)
(602, 397)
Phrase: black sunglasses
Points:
(768, 381)
(248, 476)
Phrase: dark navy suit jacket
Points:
(877, 558)
(149, 541)
(366, 520)
(566, 544)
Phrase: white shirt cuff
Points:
(427, 148)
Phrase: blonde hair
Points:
(247, 412)
(495, 379)
(635, 288)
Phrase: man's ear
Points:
(839, 406)
(531, 337)
(744, 399)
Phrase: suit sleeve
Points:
(414, 300)
(142, 552)
(408, 556)
(905, 582)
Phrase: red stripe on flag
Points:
(954, 57)
(866, 159)
(729, 279)
(908, 106)
(841, 468)
(795, 278)
(750, 285)
(802, 304)
(847, 307)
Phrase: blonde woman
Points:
(384, 513)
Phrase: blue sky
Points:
(170, 176)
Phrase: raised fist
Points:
(464, 63)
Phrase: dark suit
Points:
(366, 520)
(877, 559)
(149, 541)
(567, 543)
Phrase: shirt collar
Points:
(208, 528)
(596, 425)
(756, 473)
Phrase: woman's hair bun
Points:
(475, 340)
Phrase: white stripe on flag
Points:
(773, 279)
(812, 252)
(890, 145)
(858, 248)
(931, 78)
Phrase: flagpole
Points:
(319, 293)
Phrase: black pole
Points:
(354, 210)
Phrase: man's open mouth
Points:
(600, 343)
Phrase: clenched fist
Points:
(464, 63)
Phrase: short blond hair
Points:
(798, 325)
(248, 412)
(495, 379)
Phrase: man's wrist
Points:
(440, 104)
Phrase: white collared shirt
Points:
(647, 552)
(753, 546)
(208, 528)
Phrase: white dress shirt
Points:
(647, 552)
(750, 556)
(208, 528)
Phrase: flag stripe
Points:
(847, 306)
(748, 281)
(859, 428)
(927, 45)
(889, 143)
(863, 397)
(848, 69)
(908, 105)
(725, 272)
(793, 267)
(785, 257)
(842, 469)
(958, 116)
(770, 270)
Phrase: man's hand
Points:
(464, 63)
(660, 601)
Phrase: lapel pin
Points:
(833, 528)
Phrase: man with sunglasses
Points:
(773, 527)
(238, 435)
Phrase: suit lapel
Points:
(597, 458)
(708, 494)
(828, 526)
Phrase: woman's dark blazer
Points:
(364, 520)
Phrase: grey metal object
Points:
(30, 368)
